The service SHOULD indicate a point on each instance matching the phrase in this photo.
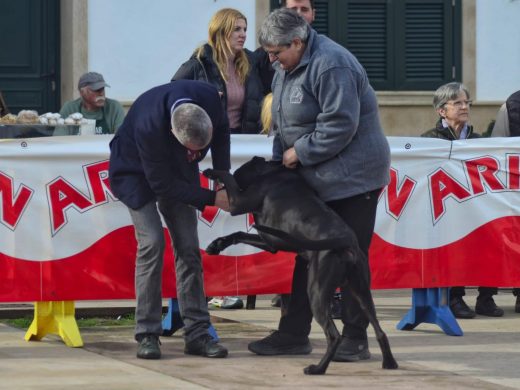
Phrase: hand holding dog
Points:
(290, 159)
(221, 200)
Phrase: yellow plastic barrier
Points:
(55, 317)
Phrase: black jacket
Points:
(446, 132)
(146, 160)
(513, 113)
(205, 69)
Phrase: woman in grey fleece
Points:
(326, 125)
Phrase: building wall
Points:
(138, 45)
(74, 46)
(142, 44)
(498, 49)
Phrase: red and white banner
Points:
(450, 216)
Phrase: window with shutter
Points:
(403, 44)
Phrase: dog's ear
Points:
(258, 159)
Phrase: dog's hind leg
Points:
(360, 290)
(322, 282)
(221, 243)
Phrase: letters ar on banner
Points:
(450, 216)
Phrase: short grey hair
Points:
(448, 92)
(281, 27)
(191, 125)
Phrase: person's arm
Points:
(118, 116)
(221, 146)
(187, 71)
(68, 108)
(156, 159)
(265, 69)
(337, 92)
(501, 128)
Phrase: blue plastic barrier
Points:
(172, 321)
(431, 305)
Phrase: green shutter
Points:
(425, 55)
(321, 19)
(403, 44)
(367, 37)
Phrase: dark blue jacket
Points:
(148, 163)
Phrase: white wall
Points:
(498, 49)
(139, 44)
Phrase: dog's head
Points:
(250, 171)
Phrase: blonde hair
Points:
(265, 115)
(221, 26)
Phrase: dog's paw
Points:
(209, 173)
(313, 369)
(390, 364)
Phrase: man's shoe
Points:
(278, 343)
(351, 350)
(205, 346)
(487, 307)
(517, 304)
(149, 347)
(460, 309)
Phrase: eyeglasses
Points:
(276, 53)
(461, 103)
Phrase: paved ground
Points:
(486, 357)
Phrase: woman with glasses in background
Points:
(452, 102)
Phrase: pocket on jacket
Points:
(333, 169)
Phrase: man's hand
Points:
(290, 159)
(221, 200)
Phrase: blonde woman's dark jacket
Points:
(205, 69)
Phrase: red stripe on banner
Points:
(488, 256)
(19, 280)
(105, 270)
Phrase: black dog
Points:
(289, 216)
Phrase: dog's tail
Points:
(318, 245)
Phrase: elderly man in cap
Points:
(92, 104)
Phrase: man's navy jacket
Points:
(146, 160)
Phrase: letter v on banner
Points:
(398, 196)
(12, 205)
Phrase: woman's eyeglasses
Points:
(276, 53)
(461, 103)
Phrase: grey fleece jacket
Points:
(327, 110)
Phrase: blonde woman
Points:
(224, 62)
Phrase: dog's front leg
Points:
(221, 243)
